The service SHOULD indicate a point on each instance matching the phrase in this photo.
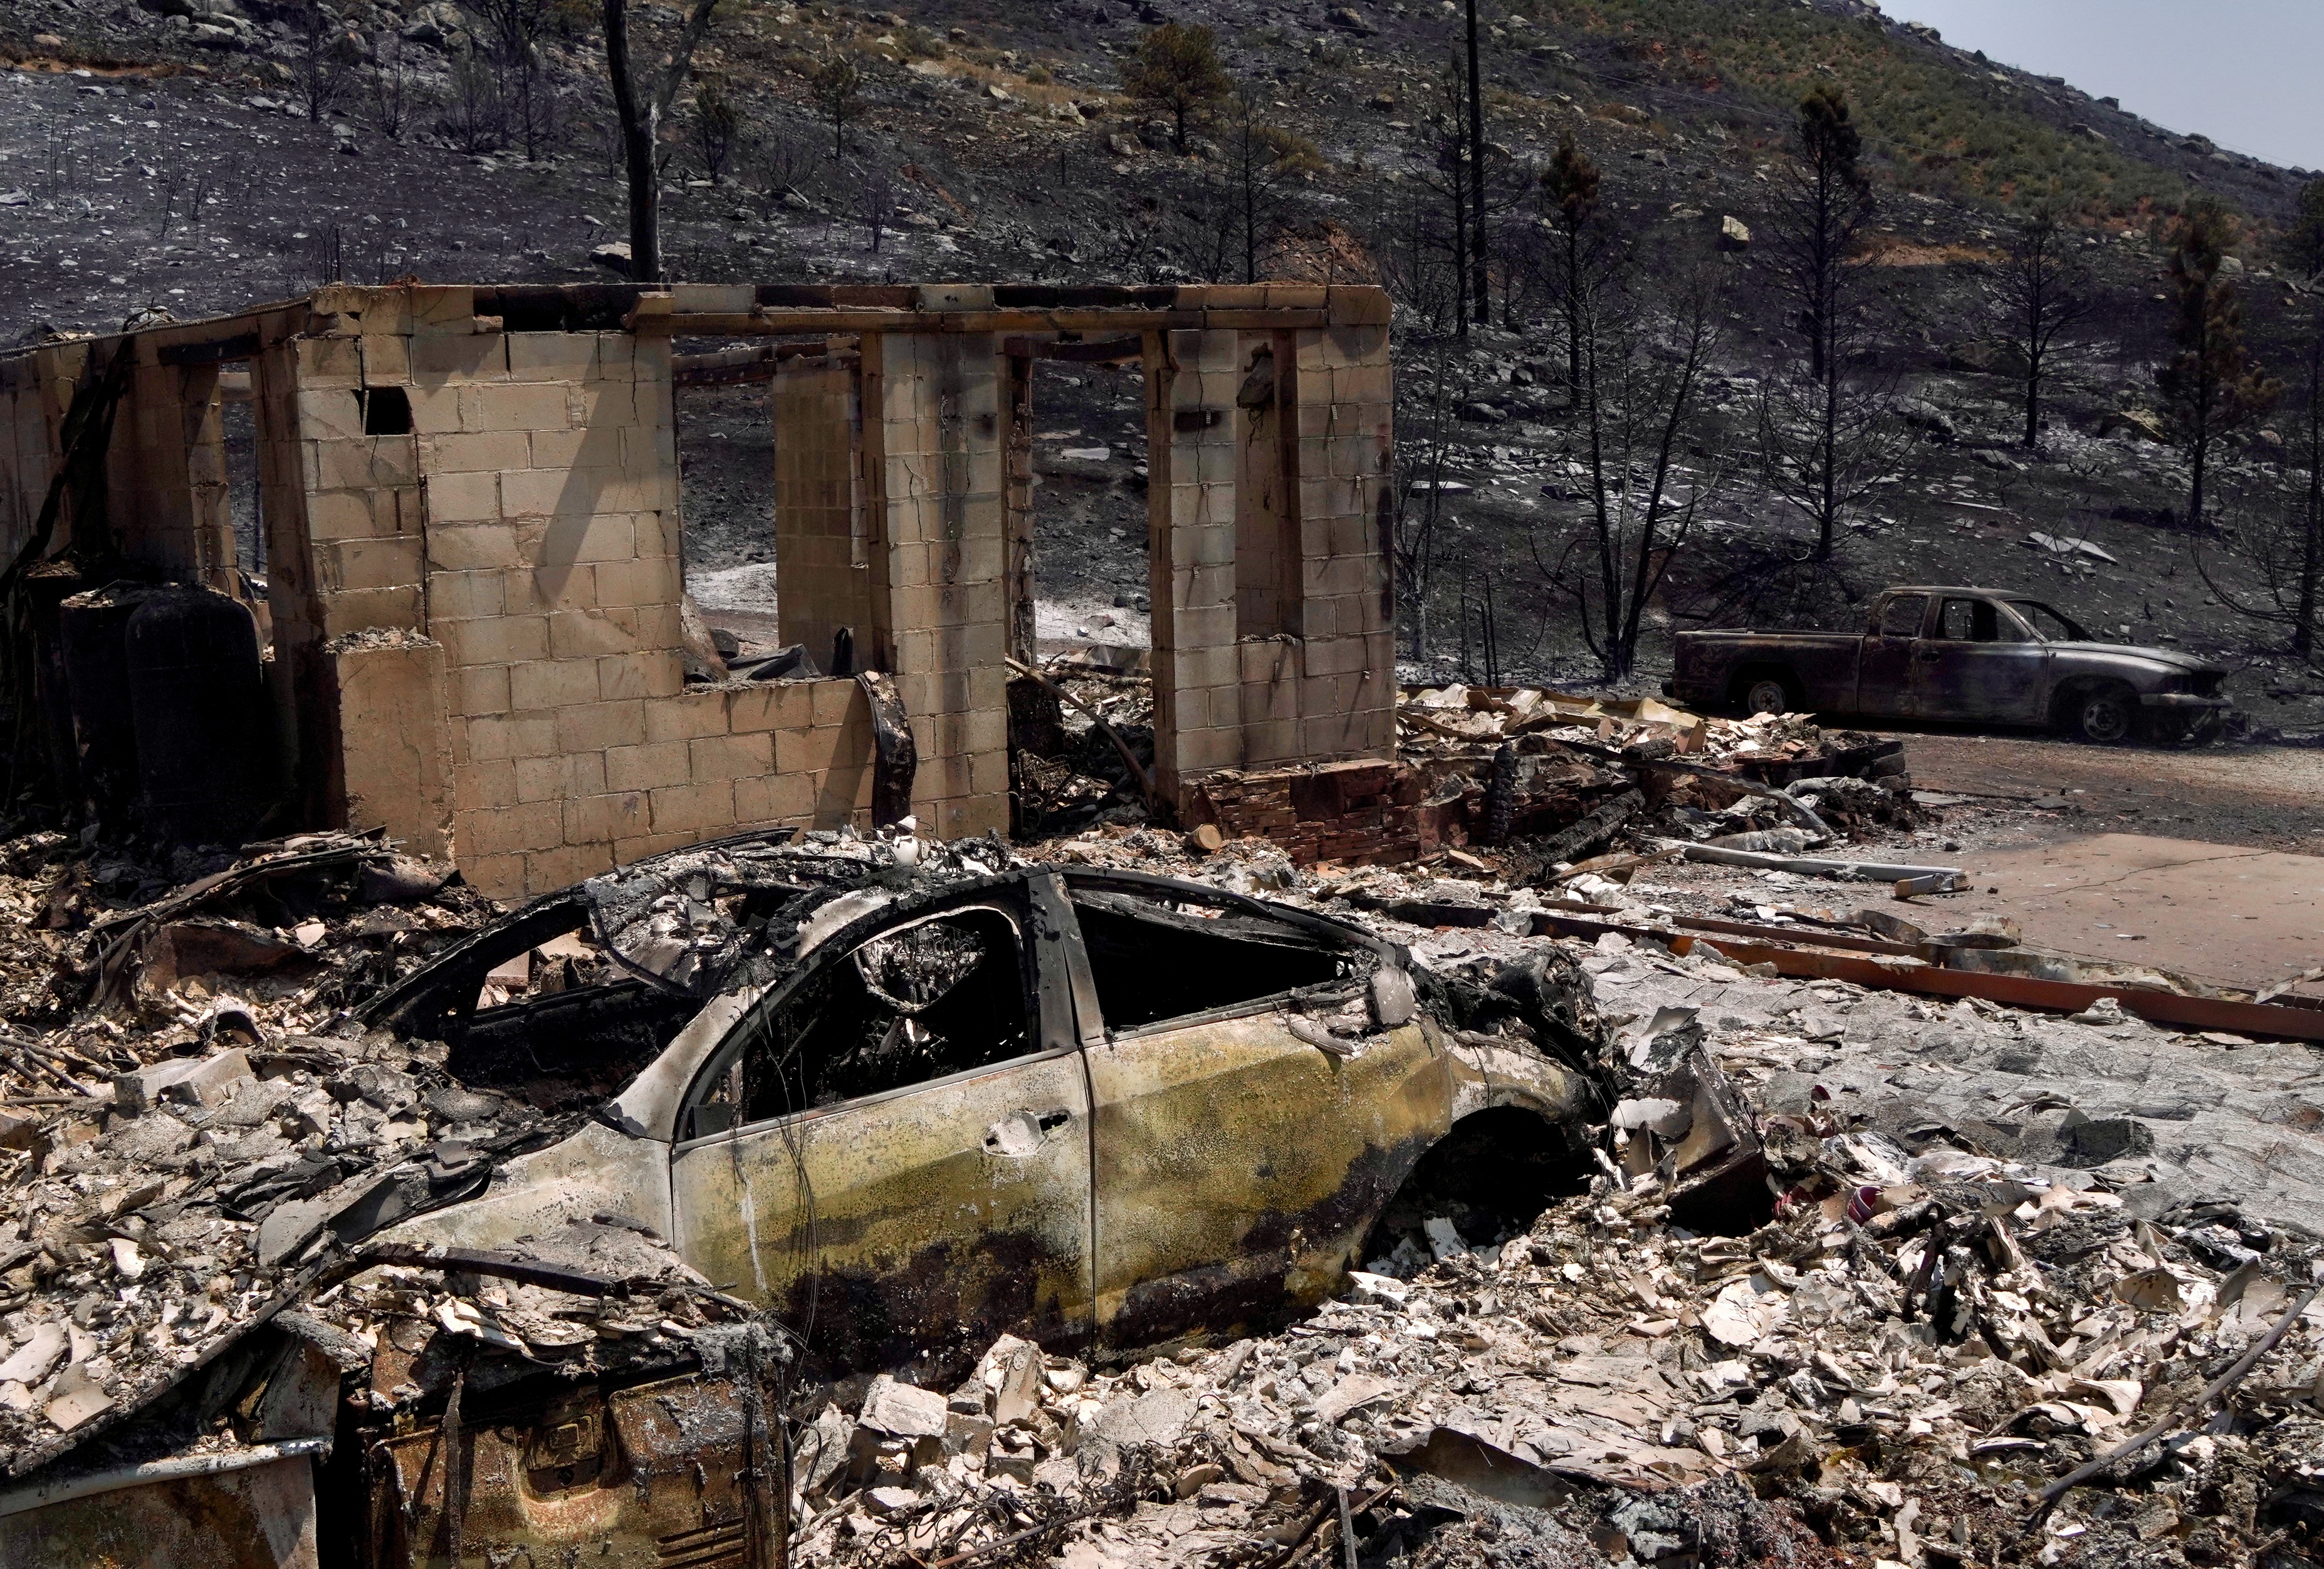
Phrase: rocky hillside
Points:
(195, 155)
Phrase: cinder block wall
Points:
(35, 391)
(1272, 569)
(528, 524)
(939, 602)
(521, 536)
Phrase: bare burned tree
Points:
(1825, 437)
(474, 116)
(715, 126)
(393, 92)
(324, 61)
(837, 89)
(2211, 385)
(1424, 450)
(1262, 161)
(2284, 545)
(514, 29)
(2041, 294)
(641, 115)
(875, 200)
(1645, 351)
(1414, 259)
(1580, 251)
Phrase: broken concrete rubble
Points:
(1976, 1248)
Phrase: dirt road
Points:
(2270, 797)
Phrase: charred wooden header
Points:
(727, 310)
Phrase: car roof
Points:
(1954, 588)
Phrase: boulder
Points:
(1733, 235)
(613, 255)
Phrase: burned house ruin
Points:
(473, 614)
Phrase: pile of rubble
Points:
(1901, 1352)
(1538, 779)
(1860, 1277)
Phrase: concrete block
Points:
(462, 596)
(553, 356)
(553, 684)
(652, 673)
(361, 609)
(505, 640)
(700, 809)
(687, 716)
(393, 762)
(592, 634)
(623, 814)
(593, 726)
(477, 785)
(472, 452)
(463, 498)
(513, 406)
(649, 766)
(469, 357)
(775, 798)
(479, 689)
(348, 565)
(501, 830)
(497, 876)
(492, 737)
(597, 446)
(730, 757)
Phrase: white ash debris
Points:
(1896, 1364)
(189, 1113)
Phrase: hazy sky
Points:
(2240, 72)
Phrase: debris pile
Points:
(1903, 1362)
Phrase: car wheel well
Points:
(1739, 689)
(2066, 706)
(1491, 1175)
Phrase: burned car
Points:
(1957, 654)
(874, 1104)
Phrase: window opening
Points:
(940, 996)
(1973, 621)
(1153, 961)
(1077, 509)
(2051, 626)
(1902, 619)
(238, 448)
(386, 410)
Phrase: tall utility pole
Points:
(1480, 289)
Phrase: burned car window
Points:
(1153, 960)
(1975, 621)
(1902, 618)
(936, 998)
(2051, 626)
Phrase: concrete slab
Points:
(2224, 913)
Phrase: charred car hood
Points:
(2185, 664)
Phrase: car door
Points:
(1884, 665)
(1238, 1167)
(1979, 665)
(893, 1149)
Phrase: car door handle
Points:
(1020, 1132)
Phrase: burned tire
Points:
(1765, 690)
(2103, 716)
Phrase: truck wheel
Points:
(1769, 692)
(2103, 716)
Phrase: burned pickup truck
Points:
(1957, 654)
(876, 1103)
